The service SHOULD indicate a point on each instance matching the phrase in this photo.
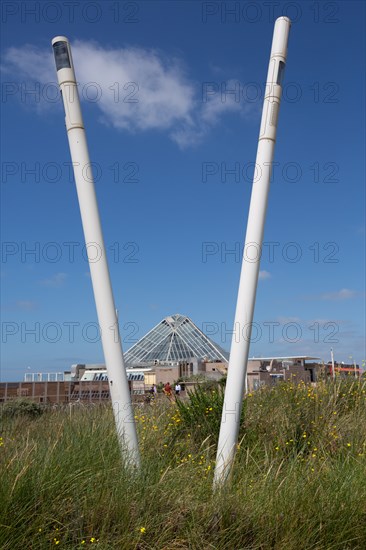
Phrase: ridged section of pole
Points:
(106, 311)
(239, 352)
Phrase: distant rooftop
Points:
(176, 338)
(285, 358)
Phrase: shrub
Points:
(201, 414)
(22, 407)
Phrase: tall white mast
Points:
(108, 323)
(250, 267)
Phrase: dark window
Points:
(62, 57)
(281, 72)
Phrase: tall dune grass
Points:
(299, 480)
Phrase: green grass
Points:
(299, 480)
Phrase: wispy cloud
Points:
(284, 320)
(135, 89)
(26, 305)
(343, 294)
(263, 275)
(30, 62)
(336, 296)
(56, 281)
(22, 305)
(217, 104)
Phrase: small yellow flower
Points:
(142, 529)
(348, 444)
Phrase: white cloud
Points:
(285, 320)
(343, 294)
(263, 275)
(135, 89)
(26, 305)
(29, 62)
(139, 89)
(219, 103)
(56, 281)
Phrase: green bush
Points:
(201, 414)
(22, 407)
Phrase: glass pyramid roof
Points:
(175, 338)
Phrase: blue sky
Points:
(174, 153)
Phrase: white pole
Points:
(250, 267)
(332, 357)
(108, 323)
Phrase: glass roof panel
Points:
(175, 338)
